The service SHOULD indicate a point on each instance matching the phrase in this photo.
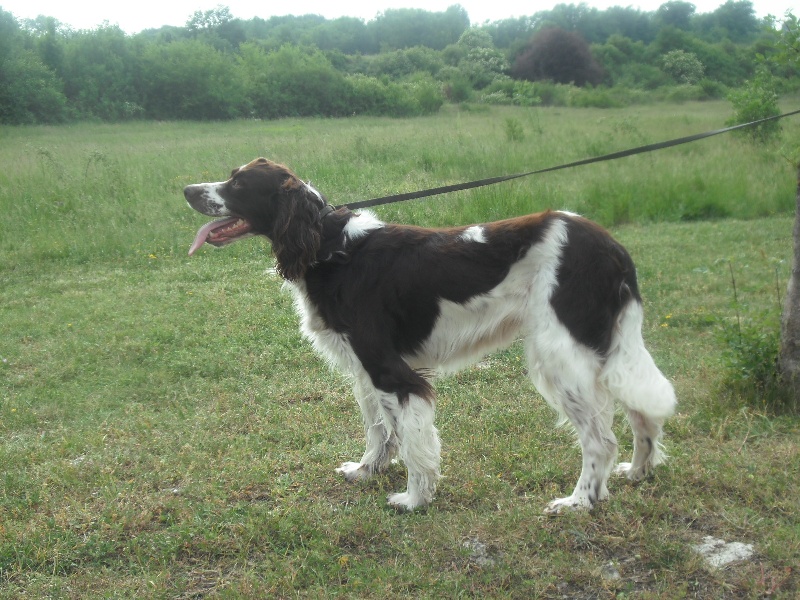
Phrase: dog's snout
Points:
(192, 192)
(205, 198)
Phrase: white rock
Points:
(719, 553)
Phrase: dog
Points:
(392, 305)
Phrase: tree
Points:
(293, 81)
(757, 99)
(398, 28)
(789, 355)
(98, 70)
(191, 80)
(30, 92)
(738, 19)
(676, 13)
(560, 56)
(480, 61)
(684, 67)
(209, 19)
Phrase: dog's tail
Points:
(630, 373)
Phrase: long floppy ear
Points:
(297, 231)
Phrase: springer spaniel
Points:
(393, 304)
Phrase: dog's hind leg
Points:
(631, 376)
(647, 451)
(591, 415)
(566, 374)
(381, 441)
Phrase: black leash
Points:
(586, 161)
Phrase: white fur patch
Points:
(361, 224)
(474, 234)
(465, 332)
(316, 192)
(214, 201)
(630, 373)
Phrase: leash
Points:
(586, 161)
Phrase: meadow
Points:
(165, 432)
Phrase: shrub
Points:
(553, 94)
(504, 90)
(191, 80)
(294, 81)
(371, 96)
(29, 92)
(684, 93)
(712, 89)
(514, 131)
(457, 87)
(594, 97)
(428, 94)
(752, 373)
(684, 67)
(757, 99)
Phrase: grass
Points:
(165, 432)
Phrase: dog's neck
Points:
(335, 244)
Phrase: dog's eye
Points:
(236, 184)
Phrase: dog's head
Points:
(262, 198)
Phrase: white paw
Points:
(405, 501)
(570, 503)
(622, 468)
(626, 469)
(354, 471)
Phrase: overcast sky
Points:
(134, 15)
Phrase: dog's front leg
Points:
(420, 448)
(381, 441)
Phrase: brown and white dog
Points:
(391, 305)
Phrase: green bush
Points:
(594, 97)
(371, 96)
(757, 99)
(553, 94)
(752, 373)
(683, 66)
(29, 92)
(457, 87)
(191, 80)
(427, 93)
(294, 81)
(514, 130)
(684, 93)
(712, 90)
(504, 90)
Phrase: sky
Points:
(136, 15)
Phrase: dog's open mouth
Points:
(221, 232)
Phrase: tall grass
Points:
(81, 192)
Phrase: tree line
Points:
(404, 62)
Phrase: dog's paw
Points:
(405, 501)
(570, 503)
(625, 469)
(354, 471)
(622, 469)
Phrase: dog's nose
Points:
(191, 192)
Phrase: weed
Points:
(757, 99)
(514, 130)
(752, 345)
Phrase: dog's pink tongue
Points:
(202, 233)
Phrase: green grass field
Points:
(166, 433)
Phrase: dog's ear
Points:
(297, 231)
